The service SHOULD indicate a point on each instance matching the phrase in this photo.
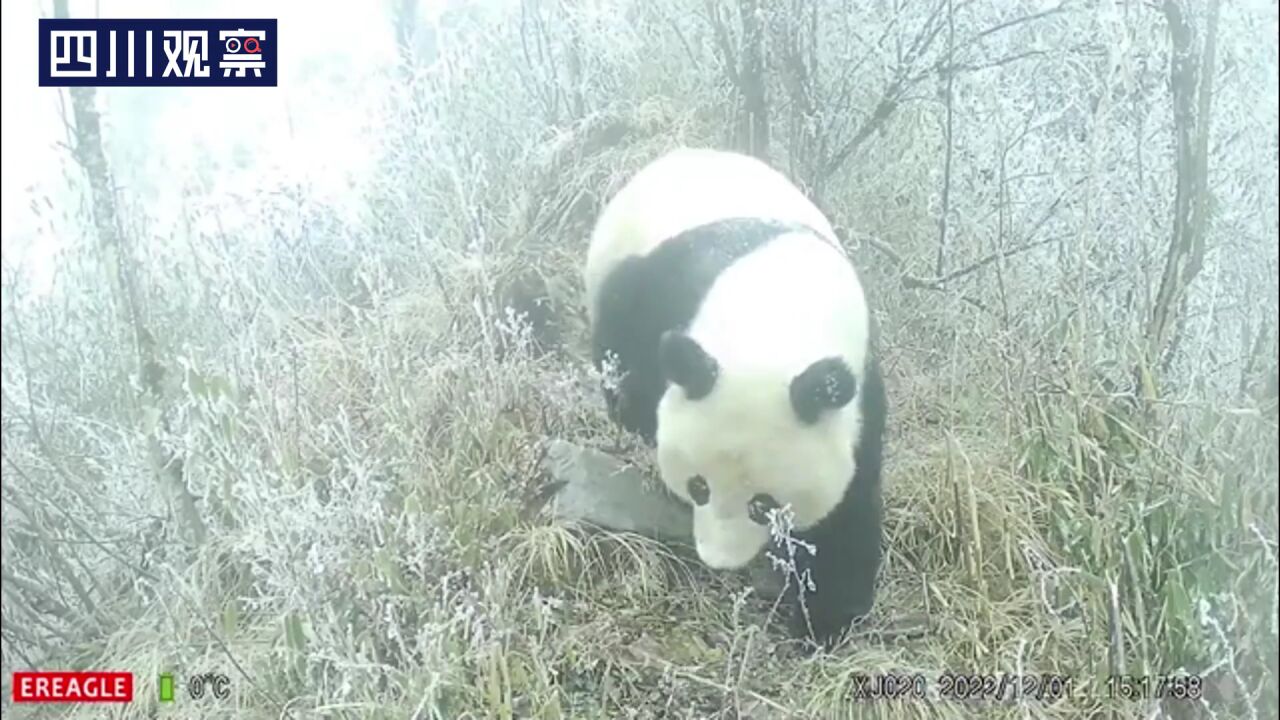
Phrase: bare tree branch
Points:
(1010, 24)
(745, 70)
(946, 166)
(721, 34)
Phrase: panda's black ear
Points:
(828, 384)
(685, 363)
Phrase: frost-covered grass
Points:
(369, 472)
(361, 407)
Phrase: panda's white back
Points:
(779, 308)
(686, 188)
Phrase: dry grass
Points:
(414, 585)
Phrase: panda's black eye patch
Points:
(699, 493)
(759, 506)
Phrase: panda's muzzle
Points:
(727, 543)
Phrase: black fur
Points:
(827, 384)
(645, 296)
(847, 542)
(684, 362)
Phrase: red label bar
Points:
(72, 687)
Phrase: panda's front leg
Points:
(837, 565)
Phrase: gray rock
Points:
(603, 491)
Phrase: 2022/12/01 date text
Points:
(1154, 687)
(1003, 687)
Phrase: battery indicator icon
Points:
(166, 687)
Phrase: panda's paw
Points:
(817, 630)
(823, 627)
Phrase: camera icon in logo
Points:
(251, 45)
(242, 52)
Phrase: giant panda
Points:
(734, 337)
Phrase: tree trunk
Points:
(1191, 83)
(91, 158)
(753, 135)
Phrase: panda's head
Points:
(737, 443)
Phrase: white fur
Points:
(765, 319)
(683, 189)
